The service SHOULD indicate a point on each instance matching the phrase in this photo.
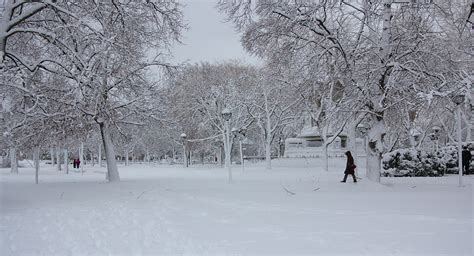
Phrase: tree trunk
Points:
(36, 157)
(378, 129)
(91, 155)
(112, 170)
(81, 157)
(13, 160)
(268, 158)
(126, 158)
(373, 165)
(352, 140)
(188, 158)
(100, 155)
(411, 135)
(352, 144)
(375, 150)
(219, 156)
(326, 156)
(386, 39)
(268, 138)
(66, 162)
(58, 158)
(51, 153)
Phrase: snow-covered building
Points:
(309, 143)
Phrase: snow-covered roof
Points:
(313, 132)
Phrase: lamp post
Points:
(183, 140)
(240, 133)
(226, 115)
(243, 132)
(458, 100)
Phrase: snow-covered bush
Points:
(450, 156)
(410, 162)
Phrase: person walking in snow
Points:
(466, 159)
(78, 162)
(350, 167)
(74, 163)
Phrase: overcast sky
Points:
(208, 38)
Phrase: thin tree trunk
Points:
(352, 140)
(51, 153)
(126, 158)
(66, 161)
(352, 144)
(112, 170)
(13, 160)
(58, 158)
(37, 162)
(91, 155)
(81, 157)
(219, 156)
(268, 158)
(100, 155)
(189, 158)
(268, 139)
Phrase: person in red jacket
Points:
(350, 167)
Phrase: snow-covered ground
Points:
(170, 210)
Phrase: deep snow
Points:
(170, 210)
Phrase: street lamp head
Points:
(436, 129)
(243, 131)
(226, 114)
(362, 128)
(432, 136)
(183, 136)
(458, 99)
(234, 131)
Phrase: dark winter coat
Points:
(466, 157)
(350, 166)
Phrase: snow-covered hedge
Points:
(410, 162)
(450, 155)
